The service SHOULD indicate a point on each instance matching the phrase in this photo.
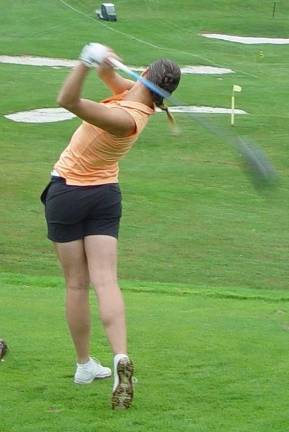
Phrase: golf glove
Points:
(93, 54)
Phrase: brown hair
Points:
(166, 75)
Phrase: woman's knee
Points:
(111, 314)
(110, 301)
(105, 286)
(77, 284)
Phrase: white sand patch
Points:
(195, 70)
(204, 110)
(42, 115)
(56, 63)
(205, 70)
(50, 115)
(247, 40)
(37, 61)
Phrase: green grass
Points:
(203, 258)
(190, 214)
(205, 360)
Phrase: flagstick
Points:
(233, 110)
(236, 88)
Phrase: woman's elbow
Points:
(62, 102)
(65, 103)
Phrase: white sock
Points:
(84, 364)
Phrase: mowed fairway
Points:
(203, 256)
(205, 361)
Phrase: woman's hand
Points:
(98, 55)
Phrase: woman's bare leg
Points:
(101, 253)
(74, 264)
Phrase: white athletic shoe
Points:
(122, 393)
(88, 372)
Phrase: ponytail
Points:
(171, 119)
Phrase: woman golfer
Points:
(83, 205)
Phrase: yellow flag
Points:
(237, 88)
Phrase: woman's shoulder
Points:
(138, 106)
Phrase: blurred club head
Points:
(256, 165)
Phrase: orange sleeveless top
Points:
(92, 156)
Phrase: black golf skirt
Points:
(74, 212)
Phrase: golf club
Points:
(256, 164)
